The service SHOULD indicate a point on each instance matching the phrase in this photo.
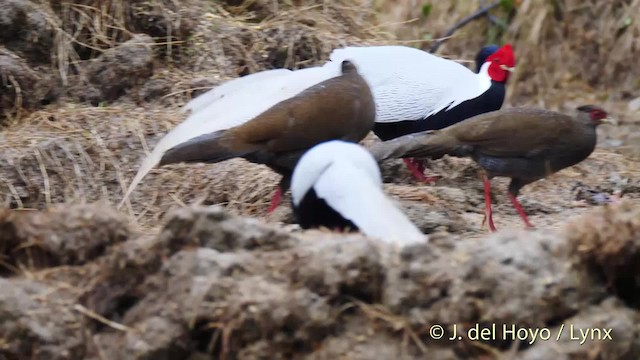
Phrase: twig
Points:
(109, 156)
(396, 322)
(494, 20)
(83, 310)
(10, 267)
(478, 14)
(13, 191)
(227, 331)
(186, 91)
(384, 25)
(45, 177)
(177, 200)
(18, 96)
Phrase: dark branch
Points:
(494, 20)
(478, 14)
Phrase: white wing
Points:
(232, 104)
(362, 201)
(411, 84)
(231, 86)
(407, 84)
(246, 100)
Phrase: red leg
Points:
(417, 170)
(520, 210)
(275, 200)
(487, 203)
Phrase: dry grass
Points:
(86, 28)
(577, 43)
(198, 34)
(76, 153)
(194, 36)
(263, 35)
(564, 49)
(568, 53)
(86, 154)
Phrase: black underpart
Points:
(490, 100)
(285, 182)
(313, 212)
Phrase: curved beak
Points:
(609, 121)
(508, 68)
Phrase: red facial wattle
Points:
(500, 61)
(597, 114)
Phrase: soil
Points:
(193, 268)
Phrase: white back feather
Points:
(411, 84)
(407, 84)
(347, 177)
(237, 84)
(234, 103)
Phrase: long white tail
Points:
(233, 104)
(361, 200)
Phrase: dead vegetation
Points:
(560, 45)
(572, 50)
(212, 285)
(91, 86)
(77, 152)
(66, 41)
(568, 53)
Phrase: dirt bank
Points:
(216, 285)
(90, 86)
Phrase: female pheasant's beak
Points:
(508, 68)
(609, 121)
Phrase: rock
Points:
(173, 21)
(593, 196)
(634, 105)
(362, 341)
(429, 221)
(113, 290)
(215, 285)
(154, 89)
(611, 315)
(212, 227)
(21, 87)
(287, 318)
(84, 92)
(189, 280)
(349, 266)
(122, 276)
(29, 331)
(462, 281)
(201, 85)
(162, 300)
(607, 241)
(155, 338)
(26, 30)
(122, 67)
(205, 262)
(198, 302)
(64, 235)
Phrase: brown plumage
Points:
(340, 108)
(524, 144)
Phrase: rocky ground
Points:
(192, 268)
(214, 285)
